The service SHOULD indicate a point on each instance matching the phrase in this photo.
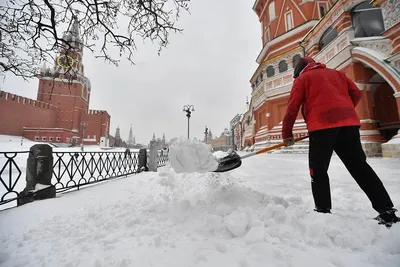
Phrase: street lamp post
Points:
(84, 124)
(205, 134)
(188, 109)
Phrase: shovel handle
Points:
(273, 147)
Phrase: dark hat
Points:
(301, 64)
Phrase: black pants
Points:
(345, 141)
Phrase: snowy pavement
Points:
(257, 215)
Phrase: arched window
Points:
(271, 10)
(328, 36)
(367, 20)
(270, 71)
(296, 59)
(283, 66)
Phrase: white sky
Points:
(209, 66)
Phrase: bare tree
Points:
(30, 29)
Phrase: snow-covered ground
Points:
(257, 215)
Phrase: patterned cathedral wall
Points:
(278, 17)
(391, 11)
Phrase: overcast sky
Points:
(209, 65)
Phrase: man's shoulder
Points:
(323, 72)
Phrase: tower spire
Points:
(72, 34)
(117, 137)
(130, 138)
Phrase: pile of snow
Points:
(186, 156)
(255, 216)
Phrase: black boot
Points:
(322, 210)
(388, 217)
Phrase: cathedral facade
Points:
(360, 38)
(61, 113)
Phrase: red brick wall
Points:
(98, 124)
(26, 113)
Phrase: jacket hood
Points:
(313, 66)
(301, 64)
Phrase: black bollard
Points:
(39, 170)
(127, 153)
(142, 166)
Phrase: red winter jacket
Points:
(328, 99)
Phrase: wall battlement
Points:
(17, 99)
(96, 112)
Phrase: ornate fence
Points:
(71, 170)
(11, 170)
(162, 158)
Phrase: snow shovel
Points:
(233, 160)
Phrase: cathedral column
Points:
(368, 130)
(397, 96)
(371, 138)
(392, 148)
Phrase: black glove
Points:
(289, 141)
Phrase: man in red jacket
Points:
(327, 99)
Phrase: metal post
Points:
(188, 124)
(205, 134)
(84, 124)
(39, 170)
(22, 137)
(188, 109)
(233, 137)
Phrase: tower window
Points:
(283, 66)
(328, 36)
(289, 20)
(323, 8)
(367, 20)
(271, 10)
(296, 59)
(270, 71)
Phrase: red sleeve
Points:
(295, 101)
(354, 92)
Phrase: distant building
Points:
(223, 142)
(161, 143)
(117, 139)
(61, 112)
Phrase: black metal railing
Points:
(71, 170)
(75, 169)
(12, 167)
(162, 158)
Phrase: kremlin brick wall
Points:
(17, 112)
